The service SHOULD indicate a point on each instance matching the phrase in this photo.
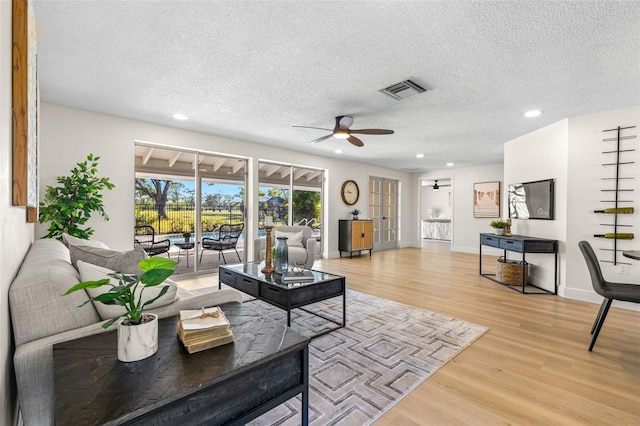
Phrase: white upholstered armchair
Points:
(302, 246)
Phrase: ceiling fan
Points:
(435, 185)
(342, 131)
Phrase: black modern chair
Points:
(227, 239)
(146, 238)
(610, 291)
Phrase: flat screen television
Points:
(531, 200)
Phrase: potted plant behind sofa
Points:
(71, 204)
(138, 331)
(499, 226)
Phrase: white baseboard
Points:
(593, 297)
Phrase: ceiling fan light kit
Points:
(341, 134)
(342, 131)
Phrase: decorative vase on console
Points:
(281, 262)
(507, 229)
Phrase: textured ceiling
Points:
(252, 70)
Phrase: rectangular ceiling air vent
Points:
(403, 90)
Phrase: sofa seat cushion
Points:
(124, 262)
(36, 296)
(199, 298)
(89, 272)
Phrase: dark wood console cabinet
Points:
(522, 244)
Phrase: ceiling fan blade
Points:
(319, 128)
(343, 122)
(372, 131)
(355, 141)
(320, 139)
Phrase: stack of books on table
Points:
(295, 277)
(202, 329)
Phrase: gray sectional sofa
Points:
(42, 316)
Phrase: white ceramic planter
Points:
(136, 342)
(499, 231)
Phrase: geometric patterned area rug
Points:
(358, 372)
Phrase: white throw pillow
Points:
(89, 272)
(294, 239)
(70, 240)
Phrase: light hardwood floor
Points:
(531, 367)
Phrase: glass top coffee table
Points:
(248, 278)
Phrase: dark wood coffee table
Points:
(248, 278)
(266, 365)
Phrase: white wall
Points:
(68, 135)
(541, 154)
(584, 195)
(570, 151)
(16, 234)
(465, 228)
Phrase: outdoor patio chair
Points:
(146, 238)
(227, 239)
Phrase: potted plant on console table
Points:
(138, 331)
(499, 226)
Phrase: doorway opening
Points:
(436, 210)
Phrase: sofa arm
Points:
(258, 249)
(311, 245)
(33, 363)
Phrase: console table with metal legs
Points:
(524, 245)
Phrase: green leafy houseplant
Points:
(499, 224)
(125, 294)
(355, 212)
(70, 205)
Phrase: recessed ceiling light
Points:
(532, 113)
(181, 117)
(449, 164)
(419, 155)
(338, 151)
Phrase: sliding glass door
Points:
(291, 194)
(186, 196)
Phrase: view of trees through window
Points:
(169, 205)
(290, 190)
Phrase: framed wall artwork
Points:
(25, 108)
(486, 199)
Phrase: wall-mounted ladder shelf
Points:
(618, 200)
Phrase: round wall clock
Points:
(350, 192)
